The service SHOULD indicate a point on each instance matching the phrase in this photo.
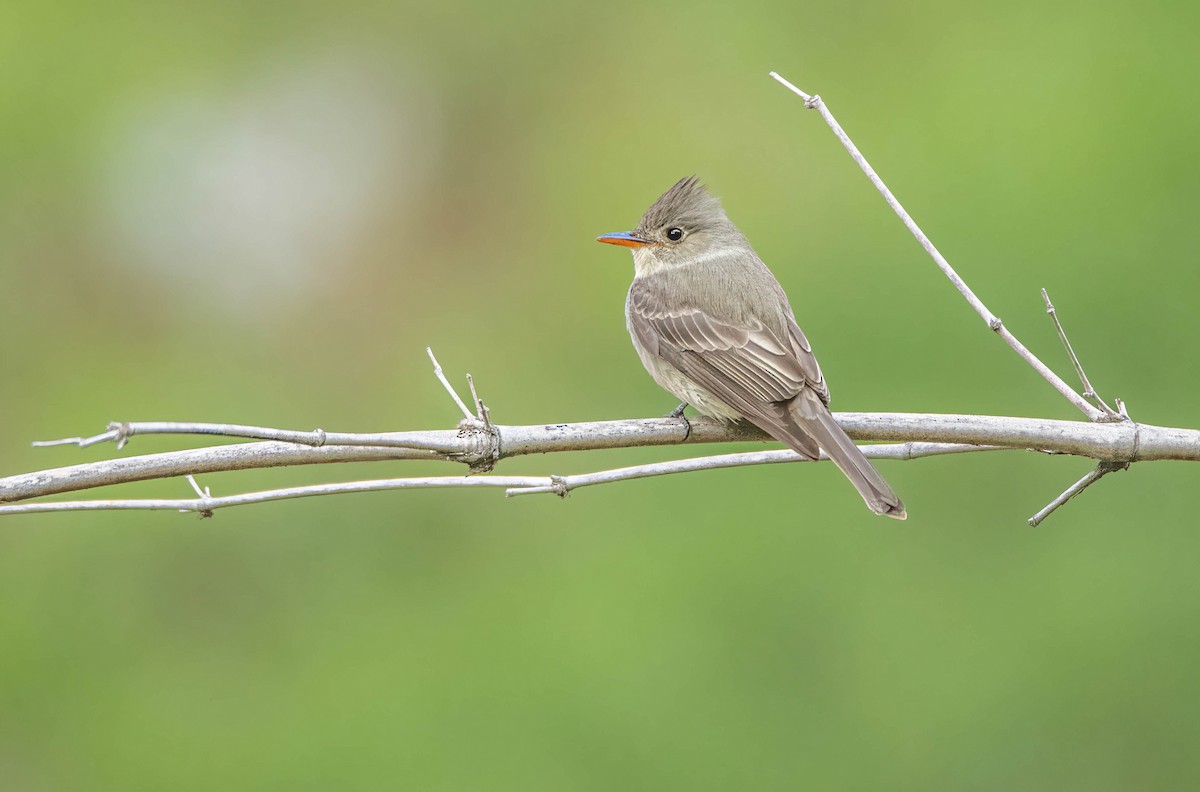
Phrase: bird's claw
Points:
(677, 413)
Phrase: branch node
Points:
(124, 432)
(995, 324)
(813, 102)
(319, 438)
(485, 451)
(203, 494)
(560, 486)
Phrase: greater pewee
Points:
(713, 326)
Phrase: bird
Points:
(714, 328)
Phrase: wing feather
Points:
(722, 355)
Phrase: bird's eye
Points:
(675, 234)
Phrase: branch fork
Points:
(477, 426)
(1088, 402)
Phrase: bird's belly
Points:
(676, 382)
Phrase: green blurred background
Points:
(262, 213)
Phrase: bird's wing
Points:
(742, 363)
(803, 350)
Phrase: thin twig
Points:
(1100, 471)
(437, 370)
(1088, 391)
(205, 504)
(82, 442)
(202, 493)
(813, 102)
(481, 410)
(316, 438)
(561, 485)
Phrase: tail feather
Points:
(814, 422)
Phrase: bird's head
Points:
(686, 225)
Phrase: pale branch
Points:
(1123, 442)
(481, 411)
(202, 493)
(437, 371)
(562, 485)
(1088, 391)
(122, 431)
(813, 102)
(471, 444)
(204, 504)
(1100, 471)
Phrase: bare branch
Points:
(1094, 475)
(316, 438)
(205, 504)
(437, 370)
(201, 493)
(1123, 441)
(561, 485)
(813, 102)
(82, 442)
(1088, 391)
(481, 410)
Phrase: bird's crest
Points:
(686, 204)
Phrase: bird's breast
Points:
(677, 383)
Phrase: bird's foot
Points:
(678, 414)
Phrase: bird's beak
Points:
(624, 239)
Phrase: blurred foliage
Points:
(262, 213)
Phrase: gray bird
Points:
(713, 326)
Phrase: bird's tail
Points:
(813, 418)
